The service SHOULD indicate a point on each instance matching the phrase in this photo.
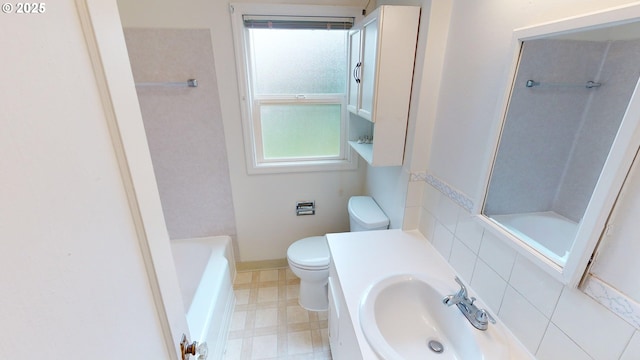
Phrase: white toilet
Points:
(309, 257)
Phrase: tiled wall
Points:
(552, 321)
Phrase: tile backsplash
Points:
(553, 321)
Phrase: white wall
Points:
(393, 187)
(617, 259)
(264, 204)
(388, 186)
(74, 281)
(475, 73)
(552, 321)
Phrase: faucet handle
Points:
(463, 289)
(449, 300)
(458, 297)
(483, 316)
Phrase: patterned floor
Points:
(268, 323)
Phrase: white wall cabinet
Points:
(382, 54)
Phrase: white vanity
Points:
(360, 260)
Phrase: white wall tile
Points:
(601, 333)
(523, 319)
(462, 259)
(632, 352)
(557, 345)
(447, 213)
(489, 285)
(430, 198)
(497, 254)
(415, 191)
(535, 285)
(443, 240)
(427, 224)
(411, 220)
(469, 231)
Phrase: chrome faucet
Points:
(479, 318)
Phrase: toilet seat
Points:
(310, 253)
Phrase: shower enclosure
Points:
(567, 102)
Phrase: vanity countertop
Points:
(363, 258)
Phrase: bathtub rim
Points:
(521, 247)
(229, 249)
(503, 221)
(217, 243)
(221, 302)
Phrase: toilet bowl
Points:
(309, 260)
(309, 257)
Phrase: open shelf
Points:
(365, 150)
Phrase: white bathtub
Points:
(206, 268)
(547, 232)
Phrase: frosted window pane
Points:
(368, 67)
(305, 130)
(299, 61)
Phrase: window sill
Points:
(303, 166)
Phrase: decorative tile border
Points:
(455, 195)
(613, 300)
(418, 176)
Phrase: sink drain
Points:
(435, 346)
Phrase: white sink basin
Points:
(403, 317)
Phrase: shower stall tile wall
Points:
(184, 129)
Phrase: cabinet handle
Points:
(356, 73)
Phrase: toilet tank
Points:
(365, 214)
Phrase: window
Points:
(294, 81)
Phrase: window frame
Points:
(251, 125)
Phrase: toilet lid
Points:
(310, 252)
(365, 210)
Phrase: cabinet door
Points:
(334, 318)
(369, 66)
(353, 97)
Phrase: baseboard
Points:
(262, 265)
